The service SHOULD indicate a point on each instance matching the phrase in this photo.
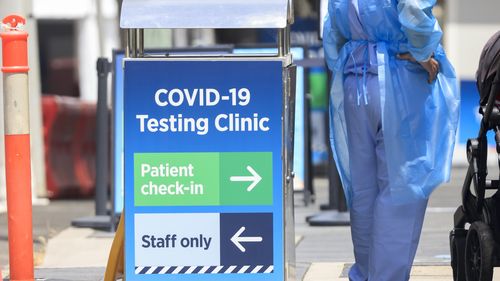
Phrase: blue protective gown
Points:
(392, 132)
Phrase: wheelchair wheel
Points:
(457, 251)
(479, 248)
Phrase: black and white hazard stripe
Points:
(234, 269)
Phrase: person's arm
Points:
(423, 32)
(420, 26)
(332, 39)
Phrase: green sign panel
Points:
(203, 179)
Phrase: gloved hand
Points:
(431, 65)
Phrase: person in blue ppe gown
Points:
(393, 116)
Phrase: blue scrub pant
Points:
(385, 235)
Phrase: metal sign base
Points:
(95, 222)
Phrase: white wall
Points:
(469, 25)
(464, 43)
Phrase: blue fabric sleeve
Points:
(332, 39)
(420, 26)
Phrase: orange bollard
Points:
(17, 148)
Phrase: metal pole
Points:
(133, 43)
(281, 42)
(127, 43)
(287, 40)
(102, 159)
(140, 42)
(17, 149)
(101, 220)
(308, 182)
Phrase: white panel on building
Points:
(62, 9)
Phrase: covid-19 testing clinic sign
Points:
(203, 170)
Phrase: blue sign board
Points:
(299, 148)
(203, 169)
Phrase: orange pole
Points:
(17, 148)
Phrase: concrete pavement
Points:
(48, 221)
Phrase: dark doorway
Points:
(58, 57)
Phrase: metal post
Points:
(308, 182)
(102, 159)
(287, 40)
(140, 42)
(281, 42)
(101, 220)
(127, 43)
(133, 43)
(17, 148)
